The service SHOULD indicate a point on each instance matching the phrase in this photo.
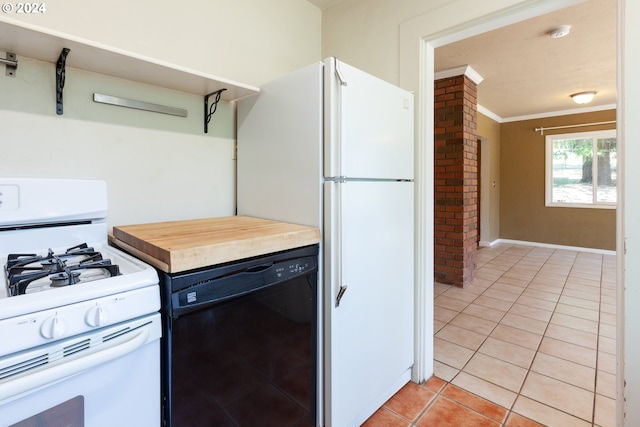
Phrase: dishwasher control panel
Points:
(294, 268)
(212, 286)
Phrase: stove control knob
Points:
(96, 316)
(54, 327)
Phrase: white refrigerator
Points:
(331, 146)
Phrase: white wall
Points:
(629, 129)
(249, 41)
(157, 167)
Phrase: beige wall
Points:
(523, 215)
(513, 159)
(366, 33)
(489, 134)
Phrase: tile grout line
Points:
(543, 335)
(513, 264)
(555, 264)
(528, 370)
(595, 379)
(573, 264)
(509, 410)
(519, 393)
(439, 394)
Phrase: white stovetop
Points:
(134, 274)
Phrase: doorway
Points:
(442, 30)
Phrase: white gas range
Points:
(79, 322)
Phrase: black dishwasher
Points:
(240, 342)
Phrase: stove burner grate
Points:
(22, 270)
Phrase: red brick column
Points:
(456, 181)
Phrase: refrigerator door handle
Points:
(339, 75)
(341, 291)
(342, 288)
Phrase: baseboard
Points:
(486, 244)
(548, 245)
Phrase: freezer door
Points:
(368, 125)
(369, 335)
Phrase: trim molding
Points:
(459, 71)
(497, 118)
(493, 116)
(547, 245)
(561, 113)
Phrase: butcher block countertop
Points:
(185, 245)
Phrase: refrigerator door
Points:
(369, 336)
(368, 125)
(280, 149)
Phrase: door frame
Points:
(419, 37)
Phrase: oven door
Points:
(114, 382)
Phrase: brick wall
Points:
(456, 181)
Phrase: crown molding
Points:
(493, 116)
(560, 113)
(465, 70)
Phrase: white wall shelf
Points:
(42, 44)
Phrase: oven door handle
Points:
(31, 381)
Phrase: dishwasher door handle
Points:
(259, 268)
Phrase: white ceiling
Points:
(526, 72)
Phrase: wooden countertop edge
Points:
(230, 252)
(139, 254)
(222, 252)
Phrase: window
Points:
(581, 169)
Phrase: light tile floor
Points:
(531, 343)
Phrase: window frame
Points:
(594, 136)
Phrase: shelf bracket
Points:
(11, 62)
(209, 110)
(60, 75)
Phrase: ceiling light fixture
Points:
(560, 31)
(583, 97)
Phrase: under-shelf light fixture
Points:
(583, 97)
